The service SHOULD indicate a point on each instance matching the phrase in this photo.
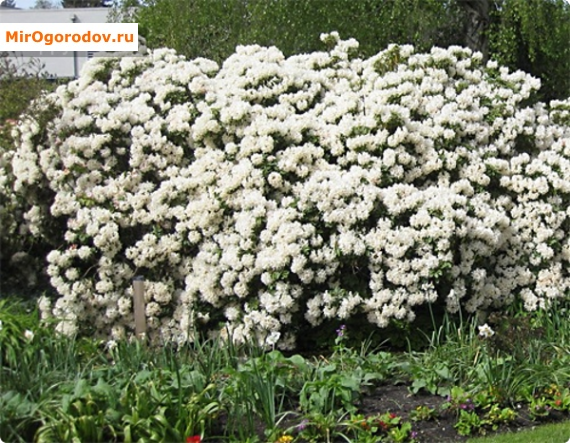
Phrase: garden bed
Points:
(470, 380)
(438, 425)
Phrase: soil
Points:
(397, 399)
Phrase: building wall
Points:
(57, 64)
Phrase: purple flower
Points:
(301, 426)
(340, 331)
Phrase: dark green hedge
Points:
(532, 35)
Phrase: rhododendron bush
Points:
(271, 192)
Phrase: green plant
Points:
(552, 322)
(497, 416)
(485, 398)
(504, 377)
(468, 423)
(18, 416)
(383, 427)
(459, 400)
(424, 413)
(256, 388)
(212, 356)
(259, 378)
(539, 408)
(166, 405)
(451, 356)
(339, 381)
(435, 378)
(560, 398)
(331, 390)
(401, 433)
(88, 414)
(317, 427)
(197, 413)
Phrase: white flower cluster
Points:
(19, 264)
(273, 191)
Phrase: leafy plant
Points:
(468, 423)
(459, 400)
(88, 414)
(424, 413)
(498, 416)
(383, 427)
(539, 408)
(318, 427)
(331, 390)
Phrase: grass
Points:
(552, 433)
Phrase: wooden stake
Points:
(139, 307)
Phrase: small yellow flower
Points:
(284, 439)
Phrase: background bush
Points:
(531, 35)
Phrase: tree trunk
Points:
(477, 23)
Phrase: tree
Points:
(531, 35)
(86, 3)
(45, 4)
(212, 29)
(8, 3)
(477, 25)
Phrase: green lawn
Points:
(554, 433)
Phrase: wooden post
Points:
(139, 307)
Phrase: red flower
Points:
(194, 439)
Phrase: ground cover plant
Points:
(479, 380)
(264, 196)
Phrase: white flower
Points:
(485, 331)
(272, 338)
(29, 335)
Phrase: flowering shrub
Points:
(273, 191)
(18, 266)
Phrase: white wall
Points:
(56, 63)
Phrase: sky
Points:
(25, 4)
